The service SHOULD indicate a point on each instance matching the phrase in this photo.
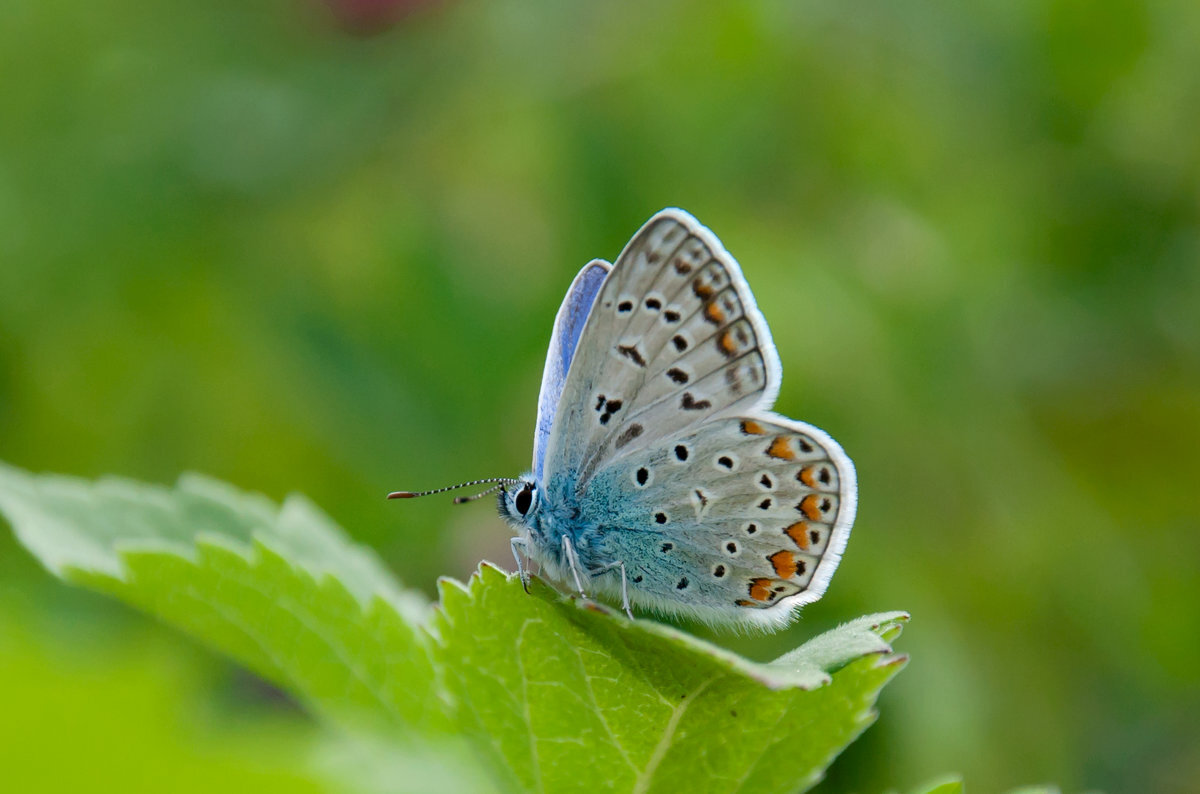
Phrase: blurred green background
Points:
(318, 248)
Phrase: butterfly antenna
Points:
(462, 500)
(500, 483)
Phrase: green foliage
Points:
(237, 240)
(127, 717)
(561, 689)
(280, 590)
(552, 691)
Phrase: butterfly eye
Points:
(524, 499)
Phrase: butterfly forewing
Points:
(674, 338)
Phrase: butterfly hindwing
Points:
(741, 514)
(673, 338)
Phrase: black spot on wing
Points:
(632, 353)
(627, 435)
(609, 407)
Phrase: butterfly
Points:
(660, 476)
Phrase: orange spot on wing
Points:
(784, 563)
(713, 312)
(811, 506)
(798, 532)
(760, 589)
(806, 477)
(727, 344)
(752, 428)
(701, 289)
(781, 448)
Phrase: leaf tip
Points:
(894, 660)
(491, 571)
(891, 625)
(449, 583)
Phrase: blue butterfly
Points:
(660, 475)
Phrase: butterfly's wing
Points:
(673, 339)
(676, 356)
(740, 519)
(568, 325)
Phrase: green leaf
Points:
(280, 590)
(361, 763)
(559, 692)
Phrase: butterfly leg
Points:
(519, 543)
(624, 584)
(625, 591)
(573, 563)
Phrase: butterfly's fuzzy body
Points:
(660, 474)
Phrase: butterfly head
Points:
(519, 502)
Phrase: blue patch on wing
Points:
(568, 325)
